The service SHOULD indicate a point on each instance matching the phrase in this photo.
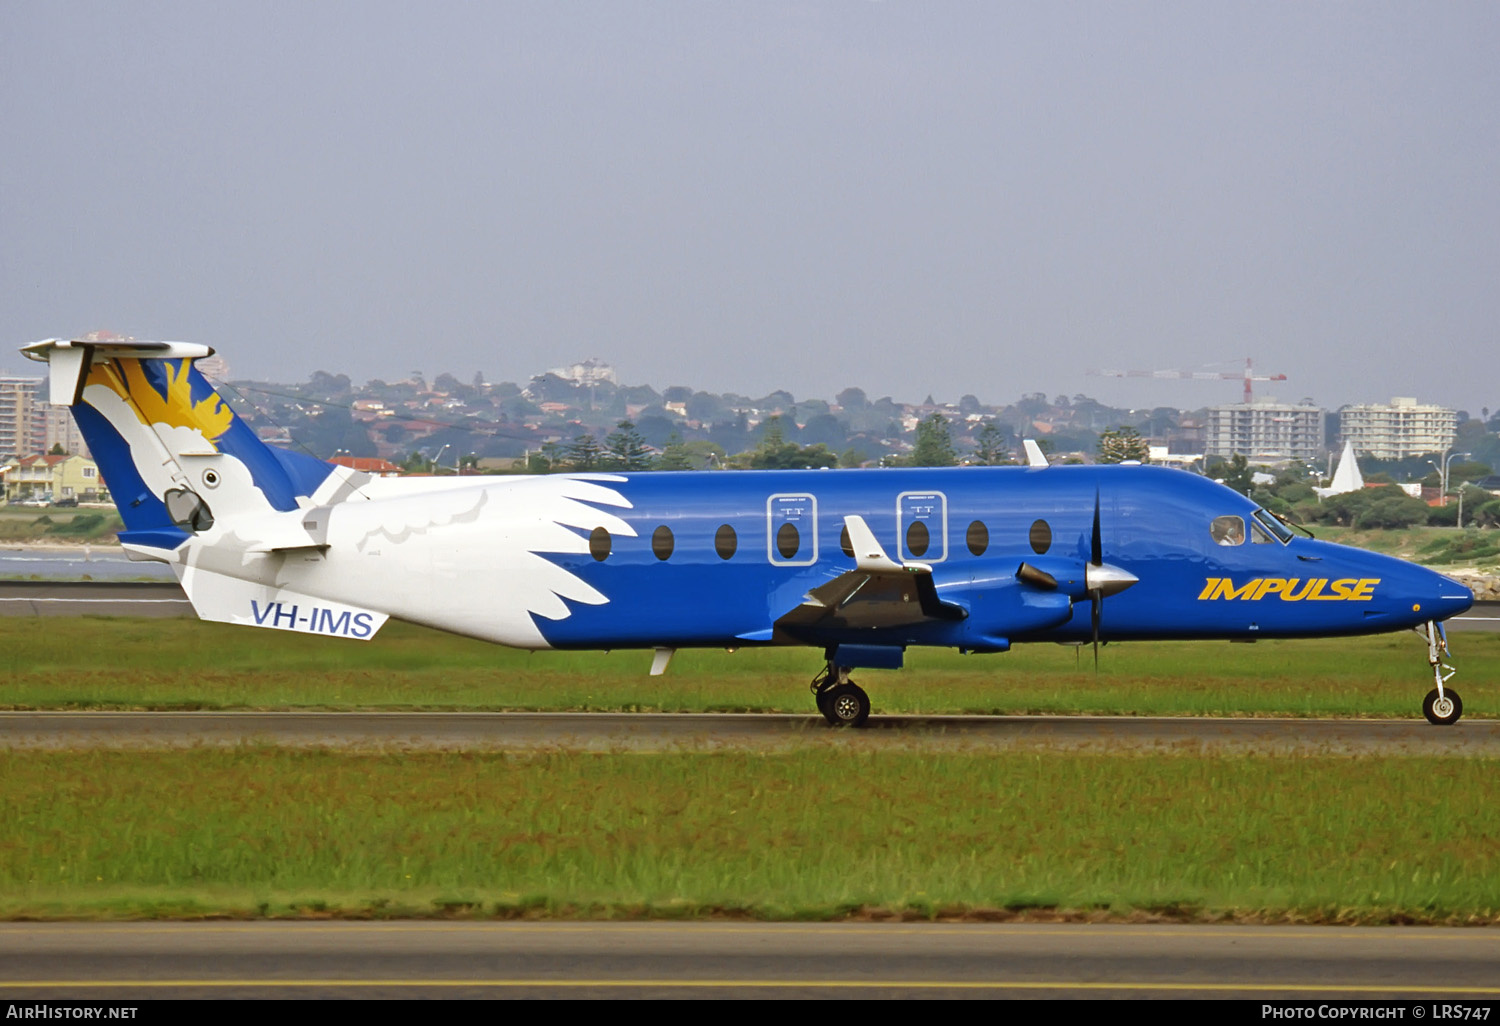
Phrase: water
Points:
(101, 563)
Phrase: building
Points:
(62, 430)
(587, 372)
(1402, 429)
(54, 477)
(1265, 431)
(23, 415)
(369, 465)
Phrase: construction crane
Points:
(1247, 376)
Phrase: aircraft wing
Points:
(878, 592)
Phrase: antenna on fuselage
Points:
(1034, 455)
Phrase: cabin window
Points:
(725, 541)
(788, 540)
(662, 542)
(845, 543)
(1040, 537)
(599, 544)
(918, 538)
(1228, 530)
(978, 538)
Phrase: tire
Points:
(1443, 713)
(846, 705)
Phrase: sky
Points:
(915, 198)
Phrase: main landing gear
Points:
(842, 702)
(1442, 706)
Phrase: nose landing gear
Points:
(842, 702)
(1442, 706)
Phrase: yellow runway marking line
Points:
(1258, 988)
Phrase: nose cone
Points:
(1447, 598)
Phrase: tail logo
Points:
(174, 407)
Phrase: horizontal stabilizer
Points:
(229, 600)
(68, 359)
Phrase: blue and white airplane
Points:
(860, 564)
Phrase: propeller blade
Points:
(1096, 551)
(1098, 601)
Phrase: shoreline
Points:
(110, 545)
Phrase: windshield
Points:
(1271, 523)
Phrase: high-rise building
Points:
(23, 416)
(1398, 430)
(62, 429)
(1265, 430)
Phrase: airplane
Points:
(862, 564)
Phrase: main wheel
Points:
(845, 705)
(1442, 711)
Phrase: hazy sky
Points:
(910, 197)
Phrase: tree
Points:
(1238, 475)
(853, 399)
(584, 453)
(934, 446)
(775, 453)
(990, 448)
(625, 449)
(1118, 444)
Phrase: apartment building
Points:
(1265, 430)
(23, 416)
(1399, 429)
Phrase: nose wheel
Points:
(1442, 706)
(1442, 709)
(842, 702)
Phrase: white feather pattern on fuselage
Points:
(470, 559)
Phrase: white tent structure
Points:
(1347, 477)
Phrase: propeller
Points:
(1101, 579)
(1096, 595)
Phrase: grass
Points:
(821, 834)
(1430, 546)
(52, 525)
(827, 832)
(107, 663)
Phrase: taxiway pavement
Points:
(123, 961)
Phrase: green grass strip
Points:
(807, 835)
(99, 662)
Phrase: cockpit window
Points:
(1228, 530)
(1259, 535)
(1272, 523)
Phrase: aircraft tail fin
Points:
(172, 452)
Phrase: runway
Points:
(124, 961)
(603, 732)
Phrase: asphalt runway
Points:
(604, 732)
(124, 961)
